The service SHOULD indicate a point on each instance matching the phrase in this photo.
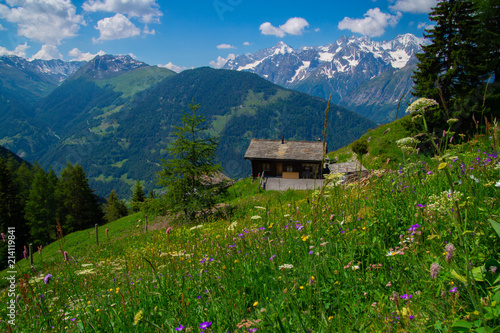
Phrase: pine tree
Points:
(114, 208)
(185, 175)
(138, 197)
(11, 211)
(41, 207)
(490, 20)
(454, 63)
(80, 207)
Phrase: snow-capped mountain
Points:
(107, 66)
(55, 69)
(335, 69)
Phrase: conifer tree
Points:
(41, 207)
(114, 208)
(454, 63)
(138, 197)
(185, 175)
(11, 211)
(80, 207)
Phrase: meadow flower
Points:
(206, 324)
(180, 328)
(255, 217)
(47, 278)
(435, 270)
(3, 236)
(168, 230)
(453, 290)
(272, 257)
(450, 250)
(421, 104)
(406, 296)
(493, 269)
(66, 256)
(285, 266)
(139, 316)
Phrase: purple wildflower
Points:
(435, 270)
(202, 261)
(66, 256)
(272, 257)
(421, 205)
(73, 319)
(206, 324)
(406, 296)
(311, 252)
(450, 250)
(414, 227)
(168, 230)
(180, 328)
(453, 290)
(47, 278)
(411, 317)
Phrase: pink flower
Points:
(450, 250)
(434, 270)
(66, 256)
(168, 230)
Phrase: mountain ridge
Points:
(336, 69)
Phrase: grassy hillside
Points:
(411, 250)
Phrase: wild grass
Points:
(357, 258)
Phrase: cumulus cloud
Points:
(48, 22)
(116, 27)
(294, 26)
(80, 56)
(173, 67)
(148, 11)
(425, 25)
(225, 46)
(222, 61)
(2, 28)
(246, 43)
(372, 25)
(47, 52)
(19, 51)
(414, 6)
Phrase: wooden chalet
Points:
(285, 159)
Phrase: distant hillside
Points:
(119, 140)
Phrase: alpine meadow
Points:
(135, 198)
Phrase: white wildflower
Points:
(255, 217)
(286, 266)
(197, 227)
(421, 104)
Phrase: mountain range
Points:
(115, 116)
(368, 77)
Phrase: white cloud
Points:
(414, 6)
(80, 56)
(294, 26)
(116, 27)
(425, 25)
(2, 28)
(47, 52)
(19, 51)
(225, 46)
(147, 10)
(47, 21)
(246, 43)
(173, 67)
(146, 31)
(222, 61)
(372, 25)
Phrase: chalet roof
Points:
(346, 167)
(307, 151)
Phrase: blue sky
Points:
(186, 34)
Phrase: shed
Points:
(286, 159)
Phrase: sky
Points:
(185, 34)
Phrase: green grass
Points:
(351, 258)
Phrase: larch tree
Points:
(187, 174)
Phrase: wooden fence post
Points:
(31, 254)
